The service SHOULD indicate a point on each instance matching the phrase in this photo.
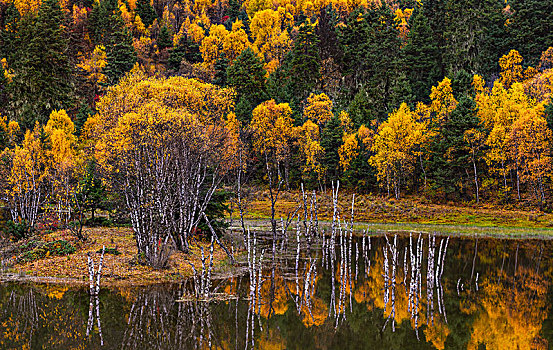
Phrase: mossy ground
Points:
(119, 269)
(413, 213)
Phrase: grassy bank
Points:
(411, 213)
(120, 264)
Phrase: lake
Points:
(404, 291)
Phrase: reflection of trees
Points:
(157, 321)
(511, 310)
(20, 319)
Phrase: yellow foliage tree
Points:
(271, 41)
(318, 109)
(94, 66)
(443, 101)
(511, 68)
(25, 172)
(65, 169)
(212, 45)
(165, 144)
(308, 138)
(395, 146)
(349, 150)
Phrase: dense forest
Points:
(446, 99)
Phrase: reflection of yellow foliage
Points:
(318, 314)
(55, 291)
(511, 317)
(271, 340)
(437, 334)
(280, 299)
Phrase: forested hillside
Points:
(447, 99)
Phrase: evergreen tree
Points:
(549, 115)
(331, 140)
(371, 46)
(305, 63)
(421, 57)
(435, 12)
(531, 28)
(81, 117)
(164, 39)
(42, 72)
(247, 76)
(185, 50)
(109, 29)
(121, 56)
(92, 192)
(449, 162)
(9, 27)
(492, 39)
(220, 68)
(146, 12)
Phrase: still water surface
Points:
(418, 292)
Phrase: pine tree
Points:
(146, 12)
(42, 72)
(449, 161)
(164, 39)
(531, 28)
(247, 76)
(421, 57)
(331, 140)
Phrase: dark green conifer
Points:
(146, 12)
(247, 76)
(42, 73)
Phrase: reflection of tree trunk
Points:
(474, 259)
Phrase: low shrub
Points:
(35, 250)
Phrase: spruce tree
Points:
(185, 50)
(42, 71)
(121, 56)
(421, 57)
(146, 12)
(164, 39)
(492, 37)
(371, 46)
(305, 63)
(247, 76)
(531, 28)
(220, 68)
(449, 161)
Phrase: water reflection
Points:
(332, 291)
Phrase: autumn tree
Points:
(64, 164)
(530, 145)
(25, 172)
(394, 145)
(272, 128)
(166, 146)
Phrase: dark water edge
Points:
(480, 293)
